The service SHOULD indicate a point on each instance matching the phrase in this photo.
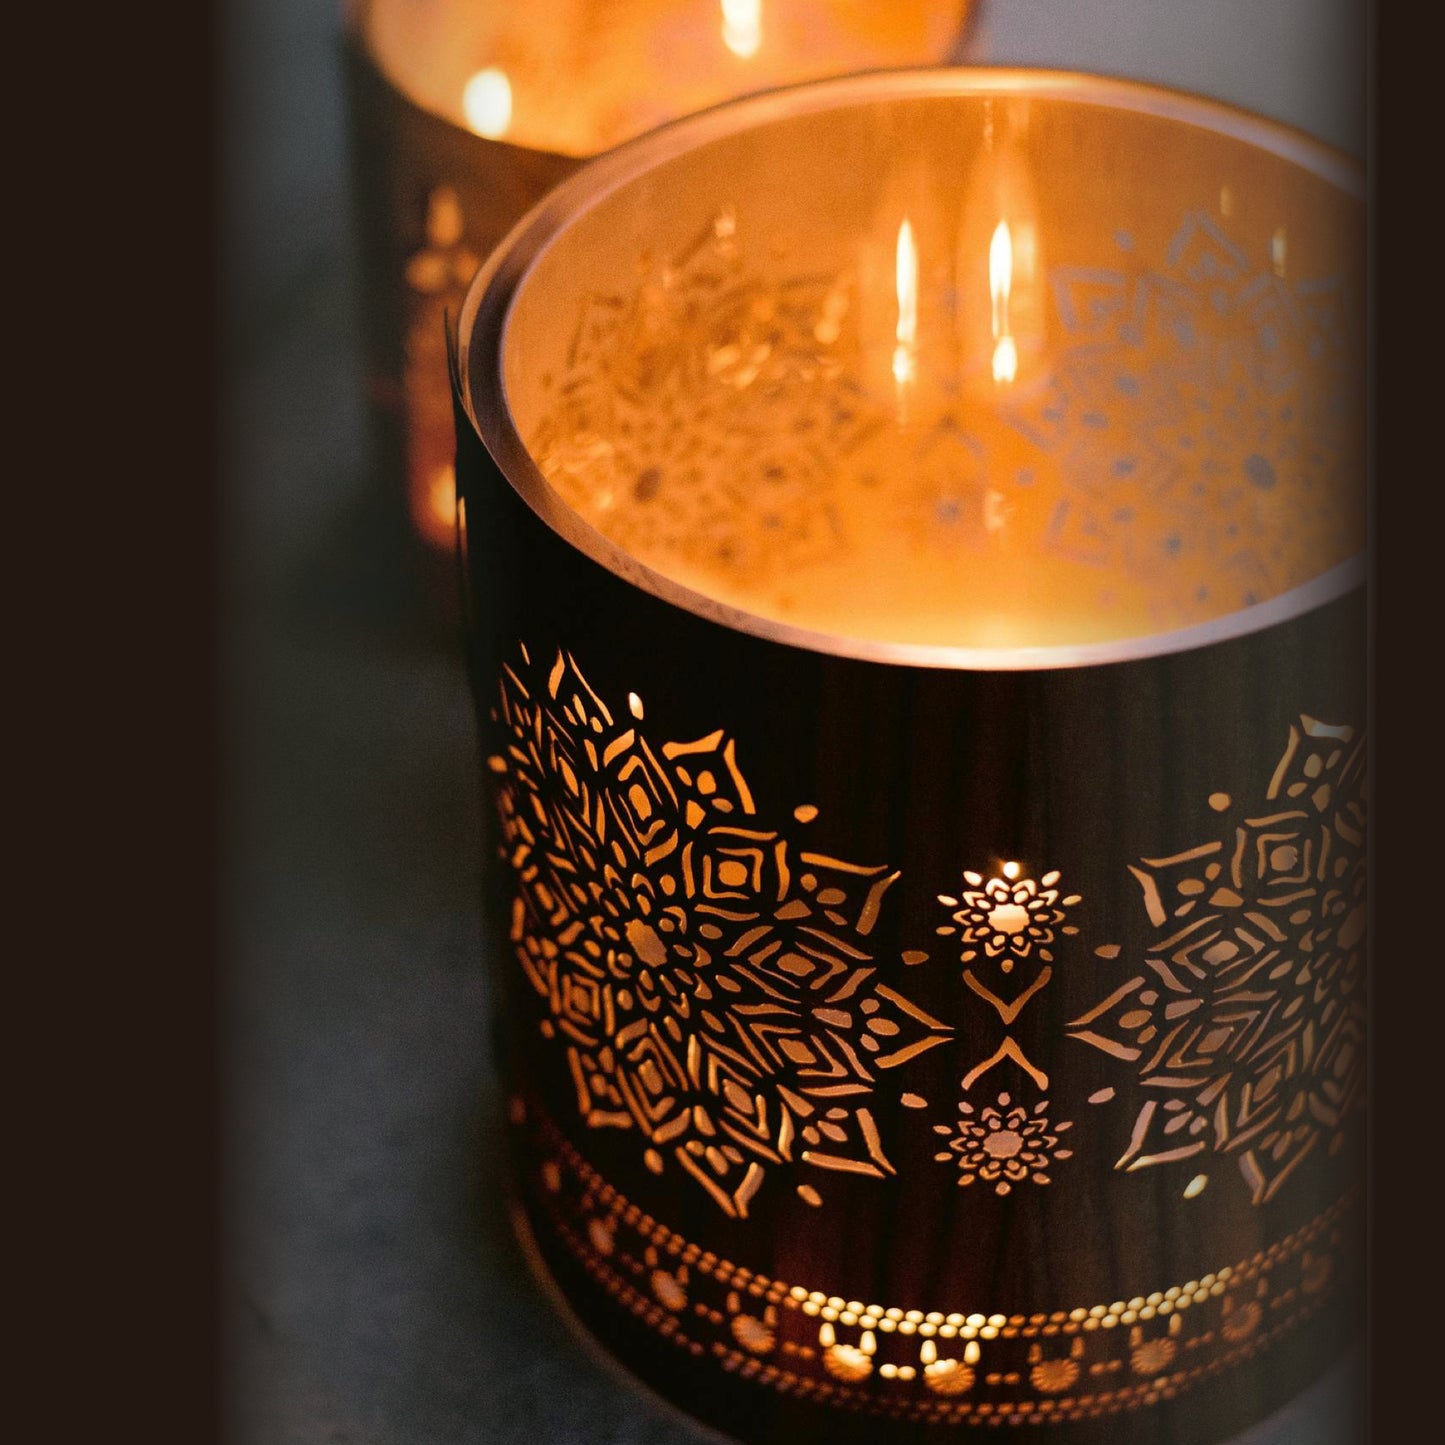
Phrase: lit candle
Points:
(917, 616)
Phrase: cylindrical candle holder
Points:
(913, 532)
(463, 113)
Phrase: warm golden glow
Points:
(1000, 282)
(442, 500)
(906, 280)
(742, 27)
(487, 103)
(1010, 870)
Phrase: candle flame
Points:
(1000, 282)
(742, 27)
(906, 280)
(487, 103)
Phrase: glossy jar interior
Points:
(988, 361)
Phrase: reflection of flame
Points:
(906, 273)
(742, 27)
(487, 103)
(1000, 280)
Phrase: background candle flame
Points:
(742, 27)
(487, 103)
(906, 281)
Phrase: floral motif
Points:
(670, 1288)
(753, 1334)
(1008, 915)
(710, 982)
(1053, 1376)
(1239, 1324)
(948, 1377)
(1247, 1022)
(1003, 1145)
(847, 1362)
(1154, 1356)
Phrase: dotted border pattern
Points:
(616, 1210)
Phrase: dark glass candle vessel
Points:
(912, 533)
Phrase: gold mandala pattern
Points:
(1003, 1144)
(1246, 1025)
(1008, 915)
(709, 980)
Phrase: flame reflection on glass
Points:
(1000, 281)
(906, 281)
(742, 27)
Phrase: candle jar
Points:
(912, 539)
(464, 112)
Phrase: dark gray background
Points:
(374, 1293)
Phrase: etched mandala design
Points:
(1246, 1022)
(1003, 1144)
(709, 980)
(1008, 915)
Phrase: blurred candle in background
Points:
(465, 112)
